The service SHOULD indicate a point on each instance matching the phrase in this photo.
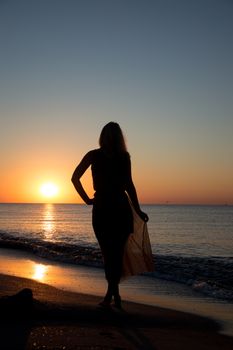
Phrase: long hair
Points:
(112, 140)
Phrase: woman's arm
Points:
(131, 190)
(79, 171)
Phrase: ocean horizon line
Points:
(144, 204)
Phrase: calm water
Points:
(190, 244)
(197, 231)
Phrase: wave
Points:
(59, 251)
(211, 276)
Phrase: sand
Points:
(66, 320)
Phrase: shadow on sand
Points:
(27, 323)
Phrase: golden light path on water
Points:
(48, 225)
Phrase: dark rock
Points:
(17, 306)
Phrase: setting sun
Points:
(49, 190)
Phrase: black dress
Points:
(112, 217)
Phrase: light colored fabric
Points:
(138, 254)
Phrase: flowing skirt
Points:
(137, 256)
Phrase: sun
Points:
(49, 190)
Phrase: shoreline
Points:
(68, 320)
(211, 276)
(139, 289)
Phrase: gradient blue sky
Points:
(162, 69)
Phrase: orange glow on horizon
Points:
(22, 184)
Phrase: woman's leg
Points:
(113, 260)
(112, 248)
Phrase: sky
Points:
(162, 69)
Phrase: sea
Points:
(191, 244)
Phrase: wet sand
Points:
(139, 289)
(66, 320)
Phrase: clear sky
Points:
(161, 68)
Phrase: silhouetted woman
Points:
(111, 216)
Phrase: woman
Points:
(112, 218)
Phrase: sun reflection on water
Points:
(48, 221)
(39, 272)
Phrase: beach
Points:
(63, 319)
(50, 250)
